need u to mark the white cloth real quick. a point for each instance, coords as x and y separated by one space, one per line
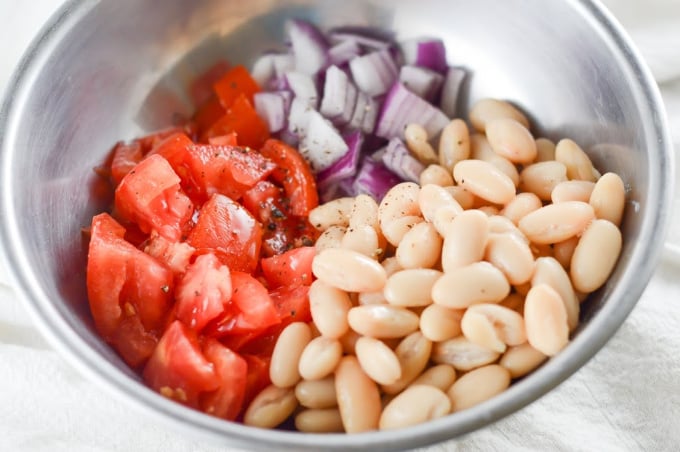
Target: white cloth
626 399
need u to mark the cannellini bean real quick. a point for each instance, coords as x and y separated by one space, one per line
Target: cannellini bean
522 205
481 150
550 272
486 110
595 255
348 270
416 140
439 323
443 219
412 287
382 321
608 198
420 247
490 211
332 213
465 240
330 238
400 201
364 212
484 180
319 421
563 251
417 404
480 282
454 144
545 320
378 360
365 298
512 140
432 198
572 190
478 386
329 307
319 358
349 341
270 407
556 222
511 255
358 397
441 376
464 197
508 325
391 266
395 230
363 239
317 393
462 354
542 178
521 360
499 224
436 175
579 166
413 353
545 150
283 369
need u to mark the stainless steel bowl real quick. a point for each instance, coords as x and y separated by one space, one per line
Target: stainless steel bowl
104 70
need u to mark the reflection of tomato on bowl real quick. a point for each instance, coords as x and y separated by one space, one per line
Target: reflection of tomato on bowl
162 247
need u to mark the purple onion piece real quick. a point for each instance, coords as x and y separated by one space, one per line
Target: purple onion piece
401 108
310 47
425 52
304 87
346 166
421 81
374 179
399 160
343 52
451 89
322 145
375 72
271 107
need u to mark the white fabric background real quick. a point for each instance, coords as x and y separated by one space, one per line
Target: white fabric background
626 399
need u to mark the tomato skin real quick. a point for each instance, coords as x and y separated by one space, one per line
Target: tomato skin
133 342
232 370
150 196
235 83
295 174
124 281
242 119
204 292
178 369
290 269
292 304
228 230
175 255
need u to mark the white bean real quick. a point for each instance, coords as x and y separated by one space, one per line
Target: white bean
317 393
358 397
417 404
493 326
413 353
572 190
462 354
542 177
270 407
486 110
416 138
420 247
439 323
478 386
521 360
330 238
595 255
283 369
441 376
329 307
579 166
436 175
556 222
550 272
512 140
319 358
378 360
511 255
319 421
522 205
465 240
454 144
480 282
412 287
332 213
545 150
485 181
608 198
382 321
545 319
349 270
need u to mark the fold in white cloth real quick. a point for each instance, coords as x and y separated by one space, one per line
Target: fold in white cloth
626 399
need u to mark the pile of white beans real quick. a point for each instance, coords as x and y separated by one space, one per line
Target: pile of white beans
437 298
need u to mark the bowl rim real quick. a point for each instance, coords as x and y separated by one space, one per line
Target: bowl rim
644 258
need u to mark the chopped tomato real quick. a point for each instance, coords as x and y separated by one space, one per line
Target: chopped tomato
258 376
133 342
202 87
295 174
125 157
252 309
242 119
151 197
235 83
292 304
224 140
123 280
204 292
148 142
232 370
290 269
175 255
225 228
207 115
178 369
282 230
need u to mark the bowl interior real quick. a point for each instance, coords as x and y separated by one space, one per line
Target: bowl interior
111 70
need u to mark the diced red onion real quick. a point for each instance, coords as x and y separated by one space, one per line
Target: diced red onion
310 47
346 166
298 117
335 92
263 69
304 87
273 108
401 108
450 89
365 41
421 81
374 179
375 72
343 51
399 160
322 145
425 52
